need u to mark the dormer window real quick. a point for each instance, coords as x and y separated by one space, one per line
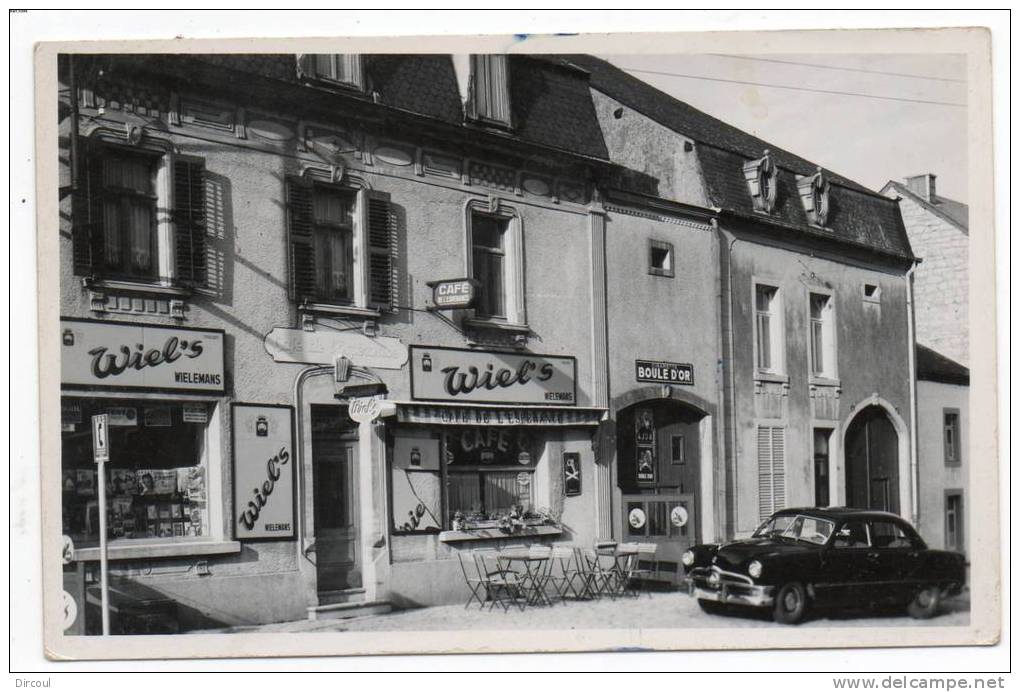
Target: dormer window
488 98
814 194
762 183
341 69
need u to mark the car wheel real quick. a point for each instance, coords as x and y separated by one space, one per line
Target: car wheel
925 603
791 604
710 607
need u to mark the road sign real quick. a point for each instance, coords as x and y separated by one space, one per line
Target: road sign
101 438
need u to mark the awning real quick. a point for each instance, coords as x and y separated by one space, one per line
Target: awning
427 413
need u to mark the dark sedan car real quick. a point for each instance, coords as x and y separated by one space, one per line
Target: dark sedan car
834 557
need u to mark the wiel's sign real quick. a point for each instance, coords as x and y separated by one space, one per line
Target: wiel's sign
128 355
486 377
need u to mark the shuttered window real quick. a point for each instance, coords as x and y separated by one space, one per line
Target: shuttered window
771 470
490 90
189 221
327 224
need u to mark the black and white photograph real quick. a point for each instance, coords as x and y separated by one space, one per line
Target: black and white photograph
516 344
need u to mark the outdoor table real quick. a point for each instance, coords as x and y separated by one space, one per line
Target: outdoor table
621 554
531 578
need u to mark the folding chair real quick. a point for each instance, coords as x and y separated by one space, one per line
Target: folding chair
540 574
633 571
475 584
501 586
602 576
578 577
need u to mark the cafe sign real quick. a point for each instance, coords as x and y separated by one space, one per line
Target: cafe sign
460 375
263 444
144 357
664 372
454 294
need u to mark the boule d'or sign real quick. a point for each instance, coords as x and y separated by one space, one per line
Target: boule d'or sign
453 294
664 372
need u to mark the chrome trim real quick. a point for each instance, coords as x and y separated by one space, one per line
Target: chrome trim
733 576
759 596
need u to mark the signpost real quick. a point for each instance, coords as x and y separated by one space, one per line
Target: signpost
101 454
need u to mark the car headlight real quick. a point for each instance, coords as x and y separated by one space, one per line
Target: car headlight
687 558
754 569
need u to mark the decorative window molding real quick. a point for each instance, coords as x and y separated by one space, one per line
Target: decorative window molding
340 69
513 311
661 258
762 181
769 331
814 195
488 98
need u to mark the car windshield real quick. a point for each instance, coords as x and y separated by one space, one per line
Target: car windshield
798 527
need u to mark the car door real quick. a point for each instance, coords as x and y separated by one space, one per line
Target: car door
846 572
895 557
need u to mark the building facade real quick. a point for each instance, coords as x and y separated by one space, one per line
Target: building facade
351 316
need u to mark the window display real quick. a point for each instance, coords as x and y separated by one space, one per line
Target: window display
156 479
489 473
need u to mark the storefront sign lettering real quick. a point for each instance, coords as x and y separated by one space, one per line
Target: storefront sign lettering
664 372
263 474
447 374
118 355
454 294
440 414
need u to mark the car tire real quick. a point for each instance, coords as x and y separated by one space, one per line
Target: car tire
791 604
926 603
710 607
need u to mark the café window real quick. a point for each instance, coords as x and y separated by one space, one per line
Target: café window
157 479
490 474
821 336
494 260
768 329
342 69
117 232
342 242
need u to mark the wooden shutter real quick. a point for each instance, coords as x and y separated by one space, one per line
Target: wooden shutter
87 214
189 221
382 243
771 470
301 230
305 66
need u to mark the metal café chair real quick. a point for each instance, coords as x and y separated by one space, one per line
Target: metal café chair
501 585
475 584
560 571
578 576
633 569
540 574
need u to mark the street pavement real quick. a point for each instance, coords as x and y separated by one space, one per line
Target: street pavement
648 611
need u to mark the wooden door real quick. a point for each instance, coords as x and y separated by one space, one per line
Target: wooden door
872 462
334 463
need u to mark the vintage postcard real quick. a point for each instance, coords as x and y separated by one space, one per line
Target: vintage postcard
507 344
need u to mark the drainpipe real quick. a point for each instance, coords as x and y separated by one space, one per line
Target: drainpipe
915 509
728 240
299 455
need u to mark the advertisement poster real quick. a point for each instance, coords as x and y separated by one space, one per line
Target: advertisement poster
263 471
644 453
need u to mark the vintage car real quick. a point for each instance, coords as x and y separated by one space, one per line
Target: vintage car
830 558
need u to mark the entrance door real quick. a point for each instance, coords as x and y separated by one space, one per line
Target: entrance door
334 460
872 462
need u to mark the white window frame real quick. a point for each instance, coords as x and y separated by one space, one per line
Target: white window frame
513 270
777 330
350 76
493 71
830 369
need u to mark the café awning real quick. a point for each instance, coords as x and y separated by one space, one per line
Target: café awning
429 413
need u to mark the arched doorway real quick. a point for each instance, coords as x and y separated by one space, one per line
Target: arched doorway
872 461
659 473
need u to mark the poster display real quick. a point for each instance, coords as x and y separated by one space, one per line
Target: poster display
644 452
263 444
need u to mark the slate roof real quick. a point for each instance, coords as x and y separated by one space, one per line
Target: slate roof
955 212
858 215
935 367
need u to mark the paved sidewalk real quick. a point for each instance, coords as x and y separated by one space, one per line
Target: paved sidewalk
659 610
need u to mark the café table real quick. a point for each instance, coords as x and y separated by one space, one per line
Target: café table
532 574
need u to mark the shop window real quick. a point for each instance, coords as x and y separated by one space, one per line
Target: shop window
489 90
768 329
117 232
951 436
342 243
954 521
490 475
157 479
341 69
821 335
494 241
660 261
771 470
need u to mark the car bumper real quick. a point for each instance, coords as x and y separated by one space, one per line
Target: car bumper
731 593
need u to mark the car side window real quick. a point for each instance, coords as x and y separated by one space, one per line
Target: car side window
889 535
852 534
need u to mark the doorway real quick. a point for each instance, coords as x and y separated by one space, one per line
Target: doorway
872 462
334 483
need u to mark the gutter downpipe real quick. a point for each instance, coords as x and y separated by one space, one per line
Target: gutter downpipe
915 509
730 379
299 454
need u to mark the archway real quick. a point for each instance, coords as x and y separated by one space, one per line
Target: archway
872 461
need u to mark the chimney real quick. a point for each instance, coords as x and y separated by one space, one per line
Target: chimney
923 186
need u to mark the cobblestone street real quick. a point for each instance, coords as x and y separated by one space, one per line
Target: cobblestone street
658 610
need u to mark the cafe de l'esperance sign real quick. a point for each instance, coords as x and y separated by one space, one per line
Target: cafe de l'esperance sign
486 377
143 357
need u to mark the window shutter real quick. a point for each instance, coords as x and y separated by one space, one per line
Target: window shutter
778 468
305 66
301 240
382 244
765 506
189 221
87 215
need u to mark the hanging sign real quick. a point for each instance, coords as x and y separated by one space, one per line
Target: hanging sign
263 443
571 474
450 374
454 294
664 372
128 355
